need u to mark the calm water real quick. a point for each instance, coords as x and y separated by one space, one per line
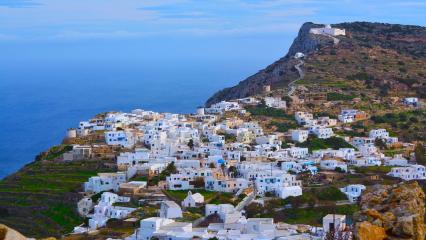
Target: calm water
38 102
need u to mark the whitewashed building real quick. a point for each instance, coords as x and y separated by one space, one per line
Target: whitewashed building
170 209
333 164
411 172
304 118
122 138
299 135
105 210
275 102
193 200
328 30
105 182
353 191
321 132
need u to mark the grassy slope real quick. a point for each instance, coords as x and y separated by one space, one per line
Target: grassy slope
40 199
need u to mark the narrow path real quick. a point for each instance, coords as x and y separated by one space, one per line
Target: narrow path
246 201
291 86
337 203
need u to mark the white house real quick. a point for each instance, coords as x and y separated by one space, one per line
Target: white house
122 138
226 212
105 210
222 107
161 227
84 206
299 135
133 158
411 172
347 115
303 118
231 185
298 152
193 200
278 185
321 132
333 164
353 191
179 182
170 209
286 192
275 102
105 182
299 55
382 134
397 160
365 161
378 133
411 101
333 222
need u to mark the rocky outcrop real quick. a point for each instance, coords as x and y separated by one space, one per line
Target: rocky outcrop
368 231
7 233
391 212
278 74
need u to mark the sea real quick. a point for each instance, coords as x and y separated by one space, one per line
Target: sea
40 100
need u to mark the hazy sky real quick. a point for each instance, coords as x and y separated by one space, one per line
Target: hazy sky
176 29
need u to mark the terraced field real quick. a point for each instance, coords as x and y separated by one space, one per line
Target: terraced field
40 199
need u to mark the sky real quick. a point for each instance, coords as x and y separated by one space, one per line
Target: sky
168 30
66 60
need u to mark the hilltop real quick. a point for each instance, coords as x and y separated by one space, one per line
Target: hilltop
384 59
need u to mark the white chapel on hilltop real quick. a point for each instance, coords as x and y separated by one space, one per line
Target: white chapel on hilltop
328 30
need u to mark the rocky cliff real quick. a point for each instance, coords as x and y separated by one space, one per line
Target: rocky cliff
391 212
279 73
388 57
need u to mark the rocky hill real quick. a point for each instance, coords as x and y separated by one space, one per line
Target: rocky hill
391 212
388 58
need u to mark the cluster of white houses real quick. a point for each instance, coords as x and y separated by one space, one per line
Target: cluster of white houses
220 154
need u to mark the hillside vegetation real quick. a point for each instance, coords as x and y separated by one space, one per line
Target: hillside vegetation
40 199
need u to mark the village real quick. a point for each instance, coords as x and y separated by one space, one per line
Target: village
214 174
288 163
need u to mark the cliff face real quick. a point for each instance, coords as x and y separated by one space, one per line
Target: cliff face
391 212
279 73
388 57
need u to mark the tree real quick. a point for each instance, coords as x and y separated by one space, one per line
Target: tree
198 182
420 153
253 210
233 170
380 143
223 167
191 144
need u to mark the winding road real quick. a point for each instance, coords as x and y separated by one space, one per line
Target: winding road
291 86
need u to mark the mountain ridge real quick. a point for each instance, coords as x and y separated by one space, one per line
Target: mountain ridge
404 39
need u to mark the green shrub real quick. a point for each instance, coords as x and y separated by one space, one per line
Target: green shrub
314 143
262 110
332 96
330 194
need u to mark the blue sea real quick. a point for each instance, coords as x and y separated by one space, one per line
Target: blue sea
40 100
48 87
